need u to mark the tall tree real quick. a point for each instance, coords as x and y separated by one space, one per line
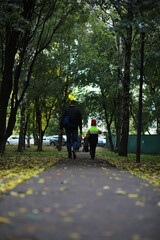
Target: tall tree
27 29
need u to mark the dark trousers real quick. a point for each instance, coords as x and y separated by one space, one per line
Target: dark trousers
72 137
92 150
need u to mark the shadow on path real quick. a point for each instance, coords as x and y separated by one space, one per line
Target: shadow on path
84 159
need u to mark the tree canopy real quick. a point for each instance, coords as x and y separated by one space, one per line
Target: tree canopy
51 50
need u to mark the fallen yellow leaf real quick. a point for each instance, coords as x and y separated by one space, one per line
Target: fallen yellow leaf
106 187
22 195
35 211
158 204
41 180
23 210
64 189
99 194
133 195
74 235
29 191
11 214
117 178
82 176
68 219
4 220
120 192
15 194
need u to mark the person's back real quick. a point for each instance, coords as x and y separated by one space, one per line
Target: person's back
74 120
74 115
92 137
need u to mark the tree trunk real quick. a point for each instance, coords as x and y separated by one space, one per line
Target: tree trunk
119 110
21 145
6 85
126 96
39 125
119 122
59 142
2 145
107 121
110 138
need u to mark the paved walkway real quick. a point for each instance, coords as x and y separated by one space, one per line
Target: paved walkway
81 199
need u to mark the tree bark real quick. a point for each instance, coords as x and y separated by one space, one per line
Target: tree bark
107 121
21 145
6 85
119 111
139 128
119 122
126 96
39 125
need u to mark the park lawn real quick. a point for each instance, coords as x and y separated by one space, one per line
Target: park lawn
148 168
16 167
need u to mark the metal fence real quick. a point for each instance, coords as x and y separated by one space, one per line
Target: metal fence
149 143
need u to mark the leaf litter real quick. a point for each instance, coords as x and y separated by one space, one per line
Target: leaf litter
17 167
148 168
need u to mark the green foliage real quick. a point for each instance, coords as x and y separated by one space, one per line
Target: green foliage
74 56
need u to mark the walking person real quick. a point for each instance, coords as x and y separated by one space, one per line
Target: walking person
71 120
92 137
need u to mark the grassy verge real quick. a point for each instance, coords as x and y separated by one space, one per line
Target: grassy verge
148 168
16 167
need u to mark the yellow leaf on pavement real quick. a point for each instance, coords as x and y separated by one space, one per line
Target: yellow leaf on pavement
64 189
11 214
82 176
41 180
22 195
133 195
4 220
23 210
35 211
158 204
120 192
15 194
74 235
136 237
68 219
99 194
29 191
106 187
117 178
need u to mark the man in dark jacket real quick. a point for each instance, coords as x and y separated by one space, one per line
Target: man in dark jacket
71 120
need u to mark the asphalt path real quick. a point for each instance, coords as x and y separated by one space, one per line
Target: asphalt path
81 199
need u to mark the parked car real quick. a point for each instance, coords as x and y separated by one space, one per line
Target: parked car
54 140
46 141
13 139
101 142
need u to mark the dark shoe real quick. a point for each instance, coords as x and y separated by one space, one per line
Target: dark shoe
69 157
92 156
74 154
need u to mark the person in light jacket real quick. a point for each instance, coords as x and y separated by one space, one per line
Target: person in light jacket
92 137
